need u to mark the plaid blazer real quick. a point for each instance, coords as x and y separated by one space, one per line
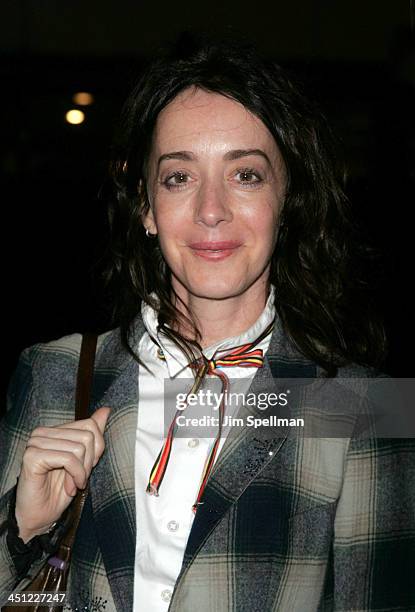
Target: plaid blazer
288 523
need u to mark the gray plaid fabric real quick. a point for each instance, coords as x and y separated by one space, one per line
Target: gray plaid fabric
288 523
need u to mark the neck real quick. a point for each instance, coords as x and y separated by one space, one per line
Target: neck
218 319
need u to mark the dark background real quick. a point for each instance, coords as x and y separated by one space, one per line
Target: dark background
356 58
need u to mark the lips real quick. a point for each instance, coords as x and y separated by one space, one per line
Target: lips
215 250
221 245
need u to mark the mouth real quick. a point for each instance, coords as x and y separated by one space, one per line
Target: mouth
215 251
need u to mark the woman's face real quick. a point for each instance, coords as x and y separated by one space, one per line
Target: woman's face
216 184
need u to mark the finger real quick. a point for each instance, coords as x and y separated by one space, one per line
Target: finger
80 435
92 426
100 416
37 463
80 443
69 485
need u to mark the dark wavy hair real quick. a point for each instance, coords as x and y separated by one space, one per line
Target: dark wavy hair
321 294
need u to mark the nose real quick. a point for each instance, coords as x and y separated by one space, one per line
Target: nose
212 205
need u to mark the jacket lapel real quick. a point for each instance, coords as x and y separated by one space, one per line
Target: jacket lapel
112 480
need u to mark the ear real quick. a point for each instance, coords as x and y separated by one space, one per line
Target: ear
149 221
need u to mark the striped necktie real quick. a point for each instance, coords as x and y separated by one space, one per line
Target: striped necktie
242 356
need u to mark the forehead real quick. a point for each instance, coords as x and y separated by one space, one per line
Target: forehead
196 119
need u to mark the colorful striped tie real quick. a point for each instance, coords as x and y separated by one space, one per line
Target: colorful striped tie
243 356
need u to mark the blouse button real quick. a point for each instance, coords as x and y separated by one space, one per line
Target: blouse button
172 525
193 443
166 595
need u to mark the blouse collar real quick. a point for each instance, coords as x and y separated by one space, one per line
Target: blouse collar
176 361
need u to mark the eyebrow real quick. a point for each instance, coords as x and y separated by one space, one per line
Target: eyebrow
229 156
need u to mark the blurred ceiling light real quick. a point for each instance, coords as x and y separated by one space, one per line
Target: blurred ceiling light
83 98
75 117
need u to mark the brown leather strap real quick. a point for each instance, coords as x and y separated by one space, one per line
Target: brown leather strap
82 399
85 375
78 504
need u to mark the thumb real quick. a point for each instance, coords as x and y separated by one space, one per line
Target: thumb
100 417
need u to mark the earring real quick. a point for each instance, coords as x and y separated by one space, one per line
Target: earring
150 235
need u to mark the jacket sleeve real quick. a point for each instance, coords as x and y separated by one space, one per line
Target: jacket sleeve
21 417
374 530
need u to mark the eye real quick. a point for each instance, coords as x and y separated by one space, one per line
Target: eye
176 180
249 177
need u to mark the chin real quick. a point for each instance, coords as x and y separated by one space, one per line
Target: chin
216 288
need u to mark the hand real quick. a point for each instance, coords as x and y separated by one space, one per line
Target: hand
56 463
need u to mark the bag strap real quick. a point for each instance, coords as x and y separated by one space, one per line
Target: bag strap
82 399
85 375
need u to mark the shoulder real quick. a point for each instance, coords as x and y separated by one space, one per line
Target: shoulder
350 370
47 371
46 358
354 370
54 364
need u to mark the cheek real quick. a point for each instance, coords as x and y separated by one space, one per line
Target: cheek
168 220
171 212
263 224
171 231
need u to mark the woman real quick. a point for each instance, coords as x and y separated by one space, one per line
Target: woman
230 228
